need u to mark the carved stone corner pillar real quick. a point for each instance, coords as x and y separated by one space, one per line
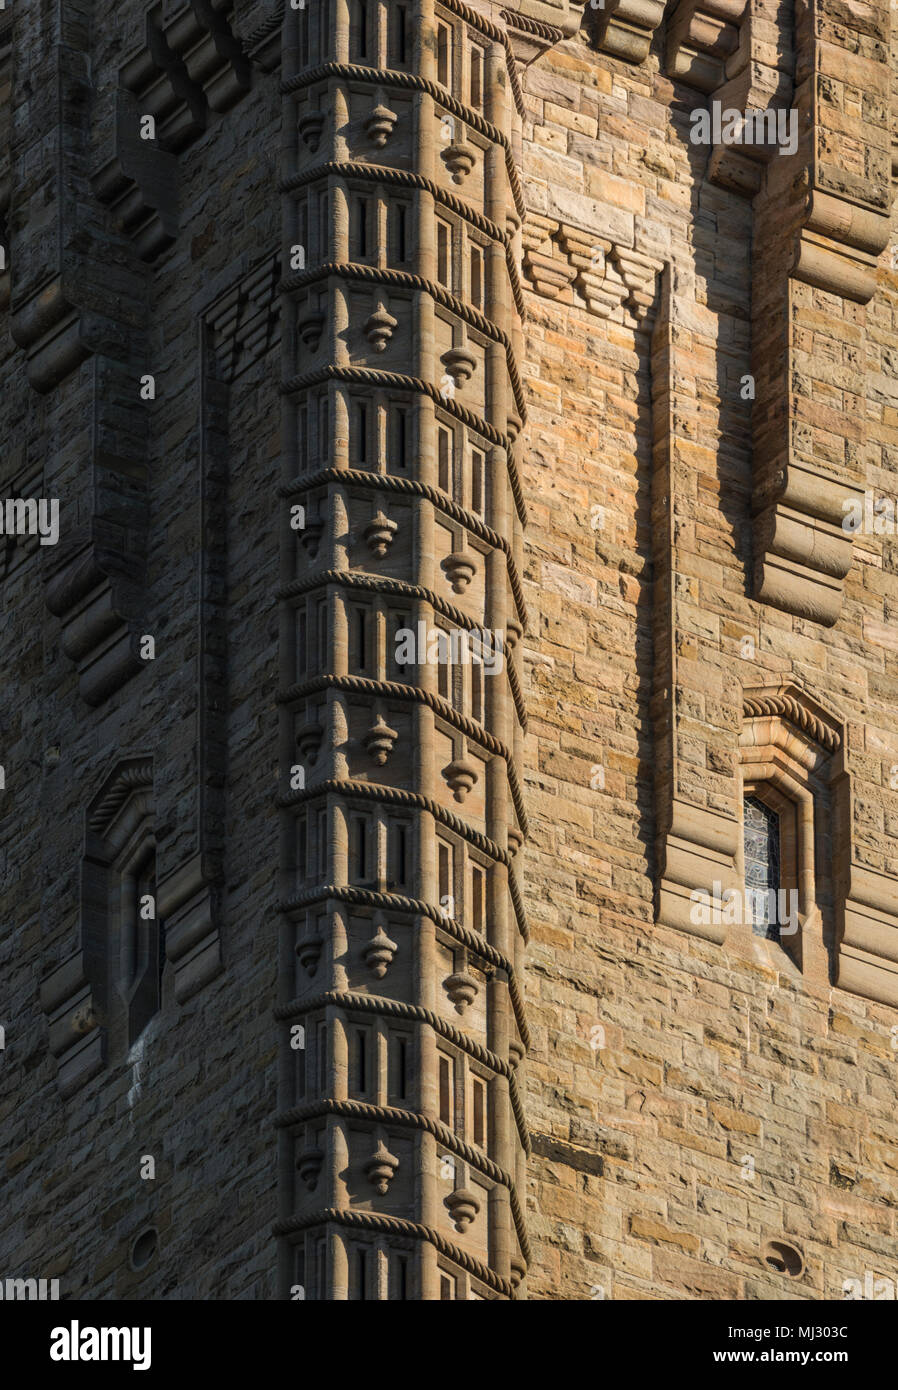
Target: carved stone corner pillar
402 921
188 902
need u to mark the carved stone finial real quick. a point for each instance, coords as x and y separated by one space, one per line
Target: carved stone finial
379 952
461 775
379 740
310 127
381 1168
379 534
308 952
310 324
308 741
380 327
463 1207
308 1165
461 989
459 364
459 570
379 125
459 160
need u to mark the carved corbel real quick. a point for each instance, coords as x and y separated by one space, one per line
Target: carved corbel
625 28
534 26
187 900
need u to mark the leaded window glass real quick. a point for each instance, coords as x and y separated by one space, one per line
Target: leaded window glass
762 868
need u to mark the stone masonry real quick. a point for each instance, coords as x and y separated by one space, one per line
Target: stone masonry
476 458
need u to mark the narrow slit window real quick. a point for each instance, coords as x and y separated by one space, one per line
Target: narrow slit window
478 1106
361 432
302 846
361 1061
444 676
304 231
404 668
360 645
400 35
444 460
302 640
445 1091
447 1287
399 1280
361 1274
399 213
399 856
321 637
401 1068
322 1056
360 854
444 55
762 868
400 439
322 844
444 859
359 30
477 277
477 56
303 38
444 254
323 422
303 441
323 29
361 228
478 897
477 690
323 227
478 473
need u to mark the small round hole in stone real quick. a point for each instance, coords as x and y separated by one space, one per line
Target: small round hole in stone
783 1258
144 1248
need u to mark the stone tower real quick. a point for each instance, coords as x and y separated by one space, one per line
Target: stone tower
450 756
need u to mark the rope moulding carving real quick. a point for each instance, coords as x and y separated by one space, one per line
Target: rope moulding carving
396 902
393 690
787 707
398 381
395 1225
373 791
377 583
403 279
412 1119
397 1008
381 173
389 77
393 483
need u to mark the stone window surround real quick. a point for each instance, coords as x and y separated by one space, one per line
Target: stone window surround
783 769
